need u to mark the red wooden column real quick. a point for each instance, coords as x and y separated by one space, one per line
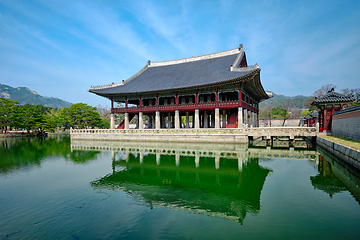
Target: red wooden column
240 98
325 117
126 104
112 106
216 99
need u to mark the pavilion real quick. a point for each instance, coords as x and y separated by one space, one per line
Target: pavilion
328 104
217 90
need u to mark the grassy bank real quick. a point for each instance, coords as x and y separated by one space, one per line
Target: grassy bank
343 141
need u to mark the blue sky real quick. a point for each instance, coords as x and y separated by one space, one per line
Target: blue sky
61 48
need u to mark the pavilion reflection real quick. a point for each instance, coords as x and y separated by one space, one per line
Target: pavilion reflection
336 176
204 184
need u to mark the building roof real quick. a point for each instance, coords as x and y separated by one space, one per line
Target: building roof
332 97
186 73
351 109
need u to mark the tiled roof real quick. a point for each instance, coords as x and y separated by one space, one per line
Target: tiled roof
332 97
183 73
351 109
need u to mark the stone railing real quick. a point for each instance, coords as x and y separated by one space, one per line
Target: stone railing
208 135
282 132
159 131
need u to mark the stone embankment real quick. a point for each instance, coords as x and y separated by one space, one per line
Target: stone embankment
349 155
22 134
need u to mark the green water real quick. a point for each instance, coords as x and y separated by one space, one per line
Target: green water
53 188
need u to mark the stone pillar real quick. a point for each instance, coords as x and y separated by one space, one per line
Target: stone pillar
240 117
169 120
224 119
205 120
197 119
253 119
177 119
256 120
112 121
187 120
212 123
126 126
163 121
141 122
217 118
157 120
149 121
245 116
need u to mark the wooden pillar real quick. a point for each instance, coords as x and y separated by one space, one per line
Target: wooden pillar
240 97
325 121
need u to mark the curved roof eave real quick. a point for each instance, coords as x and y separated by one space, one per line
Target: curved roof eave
253 73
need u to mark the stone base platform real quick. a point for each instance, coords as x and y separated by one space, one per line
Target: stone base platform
162 135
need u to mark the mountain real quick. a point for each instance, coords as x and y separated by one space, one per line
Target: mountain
284 102
26 96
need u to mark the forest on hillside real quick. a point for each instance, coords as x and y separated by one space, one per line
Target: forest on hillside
26 96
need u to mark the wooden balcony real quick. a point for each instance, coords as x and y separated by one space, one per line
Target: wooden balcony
202 106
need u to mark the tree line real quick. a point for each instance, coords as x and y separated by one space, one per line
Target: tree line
40 118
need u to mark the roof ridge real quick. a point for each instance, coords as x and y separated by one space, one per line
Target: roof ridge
197 58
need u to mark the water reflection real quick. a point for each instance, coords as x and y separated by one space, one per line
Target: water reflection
326 179
20 153
222 180
336 175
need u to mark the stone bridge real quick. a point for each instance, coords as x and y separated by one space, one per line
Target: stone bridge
290 132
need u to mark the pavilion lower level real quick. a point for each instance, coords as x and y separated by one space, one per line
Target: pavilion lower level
204 110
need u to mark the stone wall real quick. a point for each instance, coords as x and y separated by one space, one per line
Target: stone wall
349 155
346 123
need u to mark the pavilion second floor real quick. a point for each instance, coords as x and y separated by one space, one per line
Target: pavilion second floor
186 102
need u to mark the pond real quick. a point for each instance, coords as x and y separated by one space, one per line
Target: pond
54 188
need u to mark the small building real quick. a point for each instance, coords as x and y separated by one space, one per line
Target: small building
328 104
217 90
310 120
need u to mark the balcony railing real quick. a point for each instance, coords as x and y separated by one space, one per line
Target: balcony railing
186 106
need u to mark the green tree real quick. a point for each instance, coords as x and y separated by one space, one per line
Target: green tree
8 113
29 117
80 115
304 113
